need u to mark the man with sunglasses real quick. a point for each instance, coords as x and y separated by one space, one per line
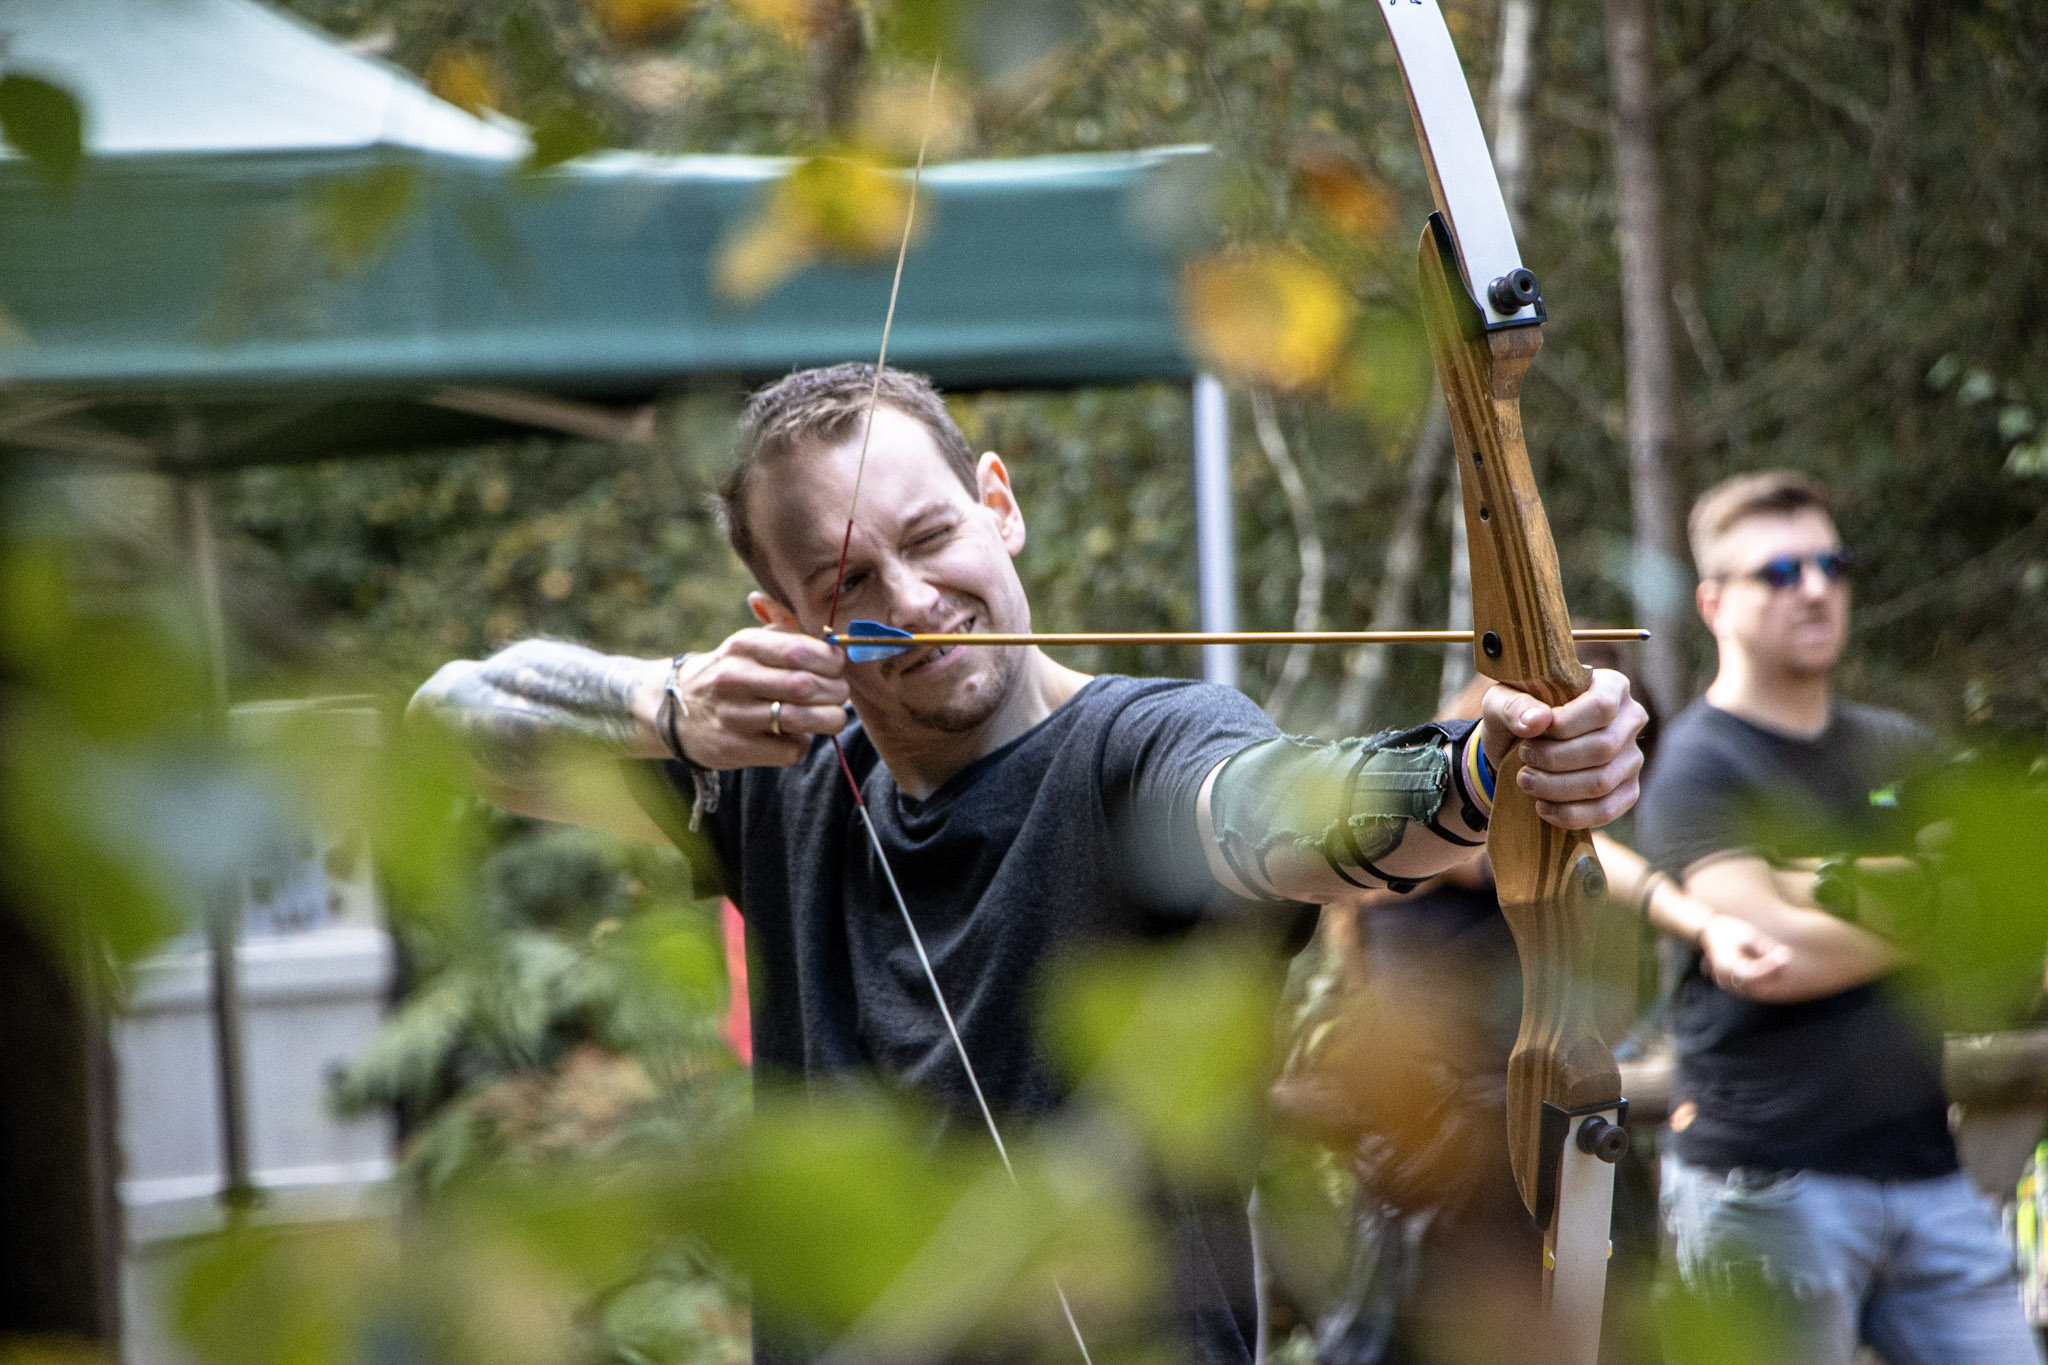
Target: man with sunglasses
1810 1161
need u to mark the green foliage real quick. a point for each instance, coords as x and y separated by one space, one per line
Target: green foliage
1176 1042
355 215
43 122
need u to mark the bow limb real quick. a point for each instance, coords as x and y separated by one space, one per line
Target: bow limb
1484 314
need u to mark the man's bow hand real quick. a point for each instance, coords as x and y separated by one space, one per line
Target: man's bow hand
1579 759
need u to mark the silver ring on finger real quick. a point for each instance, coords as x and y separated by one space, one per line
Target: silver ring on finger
775 718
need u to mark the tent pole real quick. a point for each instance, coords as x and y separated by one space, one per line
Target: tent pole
224 915
1215 527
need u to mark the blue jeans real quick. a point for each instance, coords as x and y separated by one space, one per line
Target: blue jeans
1917 1269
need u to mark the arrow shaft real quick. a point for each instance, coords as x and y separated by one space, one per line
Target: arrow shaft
1616 634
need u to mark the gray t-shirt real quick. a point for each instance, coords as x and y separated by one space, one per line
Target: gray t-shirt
1079 832
1849 1083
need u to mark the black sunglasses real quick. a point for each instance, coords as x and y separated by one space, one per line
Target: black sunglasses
1786 570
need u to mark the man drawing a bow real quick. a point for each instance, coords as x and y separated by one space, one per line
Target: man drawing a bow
1020 808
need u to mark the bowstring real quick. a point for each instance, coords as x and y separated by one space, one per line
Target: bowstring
860 804
860 466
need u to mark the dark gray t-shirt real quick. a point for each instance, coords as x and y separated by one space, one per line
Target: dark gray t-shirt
1081 831
1849 1083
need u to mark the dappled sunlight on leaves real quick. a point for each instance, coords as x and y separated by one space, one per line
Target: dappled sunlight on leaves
1267 315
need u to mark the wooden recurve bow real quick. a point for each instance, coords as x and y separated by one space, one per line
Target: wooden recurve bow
1484 316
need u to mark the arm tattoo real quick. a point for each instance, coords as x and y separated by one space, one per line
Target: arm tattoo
509 709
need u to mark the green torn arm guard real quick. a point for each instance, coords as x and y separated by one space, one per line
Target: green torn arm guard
1352 801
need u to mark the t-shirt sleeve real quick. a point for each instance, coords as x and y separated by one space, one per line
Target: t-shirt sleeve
1692 809
1155 754
667 792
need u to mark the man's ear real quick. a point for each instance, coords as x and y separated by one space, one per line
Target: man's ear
992 479
1707 596
770 612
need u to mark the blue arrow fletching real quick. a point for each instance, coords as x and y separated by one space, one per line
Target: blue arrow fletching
867 653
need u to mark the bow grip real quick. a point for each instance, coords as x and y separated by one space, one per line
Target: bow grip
1549 880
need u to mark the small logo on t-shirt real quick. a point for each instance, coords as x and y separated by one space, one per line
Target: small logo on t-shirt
1683 1115
1886 797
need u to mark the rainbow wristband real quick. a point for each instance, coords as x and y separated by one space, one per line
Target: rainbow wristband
1478 775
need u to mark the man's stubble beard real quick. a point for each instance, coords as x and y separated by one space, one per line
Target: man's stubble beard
965 712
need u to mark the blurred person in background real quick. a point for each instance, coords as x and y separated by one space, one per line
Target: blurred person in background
1810 1162
1399 1064
1026 809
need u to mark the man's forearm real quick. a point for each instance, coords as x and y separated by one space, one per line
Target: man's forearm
509 710
1299 820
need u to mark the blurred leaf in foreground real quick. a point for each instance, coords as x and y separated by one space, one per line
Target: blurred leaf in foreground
857 1227
1980 925
1741 1321
354 216
635 23
563 133
1335 181
463 77
43 122
1266 315
1175 1042
845 206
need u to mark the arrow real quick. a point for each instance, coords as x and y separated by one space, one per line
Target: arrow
868 641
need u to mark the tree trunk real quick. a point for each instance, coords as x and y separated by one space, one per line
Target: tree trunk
838 50
1366 668
1652 389
1514 83
1308 596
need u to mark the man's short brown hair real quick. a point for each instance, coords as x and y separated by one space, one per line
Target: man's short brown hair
813 409
1767 492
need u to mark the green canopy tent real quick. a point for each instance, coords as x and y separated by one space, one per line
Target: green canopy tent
247 289
306 254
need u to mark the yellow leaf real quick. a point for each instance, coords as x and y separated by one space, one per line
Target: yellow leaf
1268 316
765 251
639 21
851 206
463 77
847 207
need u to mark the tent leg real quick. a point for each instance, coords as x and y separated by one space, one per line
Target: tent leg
1215 527
224 917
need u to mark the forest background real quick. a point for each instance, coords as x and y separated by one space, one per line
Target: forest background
1813 236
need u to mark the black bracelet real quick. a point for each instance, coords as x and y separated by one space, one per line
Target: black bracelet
703 782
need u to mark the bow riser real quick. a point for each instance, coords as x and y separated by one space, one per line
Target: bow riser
1549 881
